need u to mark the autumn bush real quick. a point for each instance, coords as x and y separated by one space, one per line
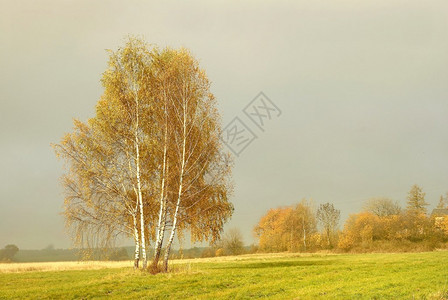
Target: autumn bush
405 232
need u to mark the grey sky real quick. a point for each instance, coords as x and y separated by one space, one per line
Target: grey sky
362 86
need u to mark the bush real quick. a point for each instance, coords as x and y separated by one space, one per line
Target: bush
7 254
219 252
208 252
232 242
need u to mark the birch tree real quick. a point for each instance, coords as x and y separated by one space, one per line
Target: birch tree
127 83
162 84
194 186
328 217
109 158
150 163
442 203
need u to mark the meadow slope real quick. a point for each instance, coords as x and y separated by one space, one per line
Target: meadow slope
276 276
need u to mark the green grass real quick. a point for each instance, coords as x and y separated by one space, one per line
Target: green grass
360 276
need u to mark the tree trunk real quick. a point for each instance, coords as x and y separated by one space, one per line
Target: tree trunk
304 234
291 239
162 210
179 194
139 186
159 239
160 236
173 229
140 202
137 246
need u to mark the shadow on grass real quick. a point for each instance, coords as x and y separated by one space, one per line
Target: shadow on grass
278 264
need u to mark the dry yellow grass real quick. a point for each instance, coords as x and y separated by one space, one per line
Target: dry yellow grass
257 256
62 266
95 265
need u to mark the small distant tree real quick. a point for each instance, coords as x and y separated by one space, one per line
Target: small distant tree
232 242
271 230
328 217
50 247
442 202
360 229
7 254
416 200
301 226
416 219
382 207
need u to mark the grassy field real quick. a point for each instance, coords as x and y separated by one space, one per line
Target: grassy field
277 276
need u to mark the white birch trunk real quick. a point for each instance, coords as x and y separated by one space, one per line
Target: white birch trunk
162 209
140 202
162 214
179 194
137 244
139 186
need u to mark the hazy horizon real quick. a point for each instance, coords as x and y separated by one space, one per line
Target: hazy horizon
361 87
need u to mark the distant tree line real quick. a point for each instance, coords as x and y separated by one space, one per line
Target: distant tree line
382 225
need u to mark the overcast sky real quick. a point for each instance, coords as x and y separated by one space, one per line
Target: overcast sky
362 86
